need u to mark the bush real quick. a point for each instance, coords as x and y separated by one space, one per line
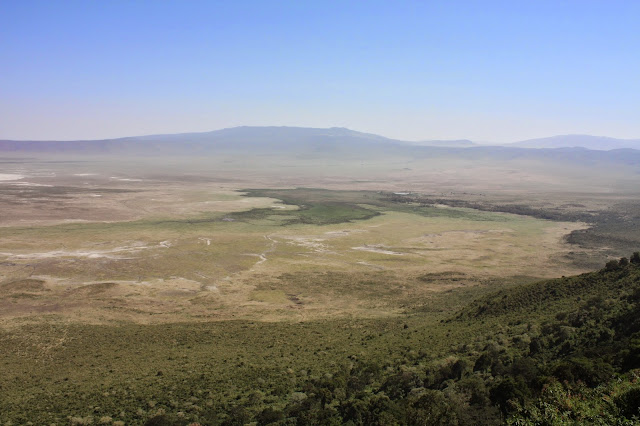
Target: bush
269 416
612 265
400 384
589 371
629 403
431 408
160 420
509 391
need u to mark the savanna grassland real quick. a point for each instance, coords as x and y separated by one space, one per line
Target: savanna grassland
325 293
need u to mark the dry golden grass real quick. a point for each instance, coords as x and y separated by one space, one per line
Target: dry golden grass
184 259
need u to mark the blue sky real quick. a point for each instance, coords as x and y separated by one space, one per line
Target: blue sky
483 70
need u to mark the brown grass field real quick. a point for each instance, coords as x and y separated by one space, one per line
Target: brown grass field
83 243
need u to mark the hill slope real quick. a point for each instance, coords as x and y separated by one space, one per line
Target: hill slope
562 351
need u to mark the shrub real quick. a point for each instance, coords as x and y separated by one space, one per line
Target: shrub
269 416
509 391
590 371
612 265
629 403
431 408
160 420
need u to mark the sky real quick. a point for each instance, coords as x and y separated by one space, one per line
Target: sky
496 71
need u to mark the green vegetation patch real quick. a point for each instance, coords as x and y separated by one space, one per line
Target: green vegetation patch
300 196
567 290
315 206
453 213
324 207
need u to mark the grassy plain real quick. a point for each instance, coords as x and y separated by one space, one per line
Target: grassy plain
304 257
126 291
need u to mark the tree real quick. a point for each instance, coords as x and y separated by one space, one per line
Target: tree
430 408
612 265
483 363
269 415
635 258
508 392
629 403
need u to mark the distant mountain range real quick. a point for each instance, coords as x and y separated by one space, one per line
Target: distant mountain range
311 141
250 139
461 143
579 141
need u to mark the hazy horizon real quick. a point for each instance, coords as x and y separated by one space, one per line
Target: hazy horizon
416 142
